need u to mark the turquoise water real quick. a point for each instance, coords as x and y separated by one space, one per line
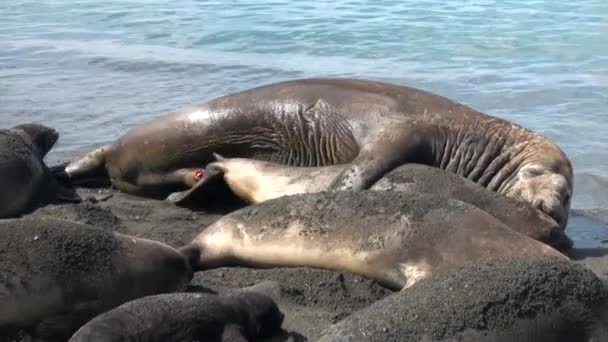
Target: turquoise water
93 69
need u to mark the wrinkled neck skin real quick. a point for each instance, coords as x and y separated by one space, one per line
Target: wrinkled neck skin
509 160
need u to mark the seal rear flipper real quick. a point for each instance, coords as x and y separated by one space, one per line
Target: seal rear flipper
91 165
233 333
93 181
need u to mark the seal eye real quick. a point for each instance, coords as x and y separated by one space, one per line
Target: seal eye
531 172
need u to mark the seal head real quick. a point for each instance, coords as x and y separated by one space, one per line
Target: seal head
547 187
43 138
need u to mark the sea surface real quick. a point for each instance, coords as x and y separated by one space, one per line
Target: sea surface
95 68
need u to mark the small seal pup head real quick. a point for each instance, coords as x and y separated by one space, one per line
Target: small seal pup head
265 318
177 317
26 181
41 137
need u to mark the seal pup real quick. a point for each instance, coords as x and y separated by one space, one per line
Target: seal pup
503 299
178 317
25 180
375 126
55 275
257 181
391 237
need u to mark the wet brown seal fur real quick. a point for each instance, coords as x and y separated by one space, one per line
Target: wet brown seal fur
55 275
527 299
375 126
391 237
258 181
25 180
179 317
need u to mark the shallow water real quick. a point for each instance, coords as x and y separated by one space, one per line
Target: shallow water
93 69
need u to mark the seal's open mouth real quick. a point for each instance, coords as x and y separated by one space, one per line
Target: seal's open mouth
202 177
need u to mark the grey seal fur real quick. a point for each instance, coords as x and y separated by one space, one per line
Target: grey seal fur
527 299
55 274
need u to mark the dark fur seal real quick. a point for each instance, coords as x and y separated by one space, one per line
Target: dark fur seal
317 122
55 275
524 299
391 237
25 181
258 181
180 317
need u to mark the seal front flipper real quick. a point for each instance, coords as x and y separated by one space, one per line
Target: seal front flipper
384 152
233 333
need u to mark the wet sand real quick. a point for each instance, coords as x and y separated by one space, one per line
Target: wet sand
311 299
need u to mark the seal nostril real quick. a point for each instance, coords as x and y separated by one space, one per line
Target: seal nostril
566 199
539 204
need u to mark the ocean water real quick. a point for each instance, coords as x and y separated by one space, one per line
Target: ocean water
95 68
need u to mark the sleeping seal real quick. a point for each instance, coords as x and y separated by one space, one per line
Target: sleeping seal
524 299
391 237
179 317
375 126
25 180
258 181
55 275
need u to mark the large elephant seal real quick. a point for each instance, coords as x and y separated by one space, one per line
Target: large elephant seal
391 237
55 275
179 317
257 181
25 180
317 122
500 300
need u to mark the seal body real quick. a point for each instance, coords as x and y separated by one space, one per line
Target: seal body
375 126
391 237
179 317
55 275
503 299
25 180
258 181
